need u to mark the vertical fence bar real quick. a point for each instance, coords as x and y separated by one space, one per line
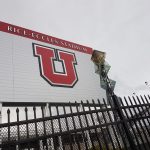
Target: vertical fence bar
124 124
146 109
52 126
26 115
139 121
47 114
143 120
74 125
18 129
148 98
131 125
34 111
135 121
138 114
114 131
36 130
0 122
105 120
27 127
60 128
99 121
87 123
80 122
8 117
95 129
67 124
44 126
116 117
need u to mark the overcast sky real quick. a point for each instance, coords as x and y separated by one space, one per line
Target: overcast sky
121 28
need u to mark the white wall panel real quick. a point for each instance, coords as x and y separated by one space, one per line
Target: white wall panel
20 78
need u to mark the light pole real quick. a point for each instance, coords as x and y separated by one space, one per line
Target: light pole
99 58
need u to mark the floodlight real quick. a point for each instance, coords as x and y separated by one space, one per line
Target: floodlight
98 57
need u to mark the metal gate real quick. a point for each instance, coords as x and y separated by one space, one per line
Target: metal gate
79 126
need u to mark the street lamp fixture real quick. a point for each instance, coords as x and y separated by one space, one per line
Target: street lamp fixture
98 57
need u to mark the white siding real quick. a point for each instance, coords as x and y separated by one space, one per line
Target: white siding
20 78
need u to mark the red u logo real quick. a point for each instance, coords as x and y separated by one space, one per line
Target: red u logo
47 57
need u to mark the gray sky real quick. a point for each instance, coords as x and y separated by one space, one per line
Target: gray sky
121 28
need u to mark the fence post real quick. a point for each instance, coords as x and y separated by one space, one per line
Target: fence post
47 113
0 122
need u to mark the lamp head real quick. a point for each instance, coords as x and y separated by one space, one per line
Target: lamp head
98 57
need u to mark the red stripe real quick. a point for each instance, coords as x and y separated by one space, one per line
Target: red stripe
12 29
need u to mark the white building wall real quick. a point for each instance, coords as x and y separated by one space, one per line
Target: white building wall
20 78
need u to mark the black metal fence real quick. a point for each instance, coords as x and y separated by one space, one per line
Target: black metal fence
78 126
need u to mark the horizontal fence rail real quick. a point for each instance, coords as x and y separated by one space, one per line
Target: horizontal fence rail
78 126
